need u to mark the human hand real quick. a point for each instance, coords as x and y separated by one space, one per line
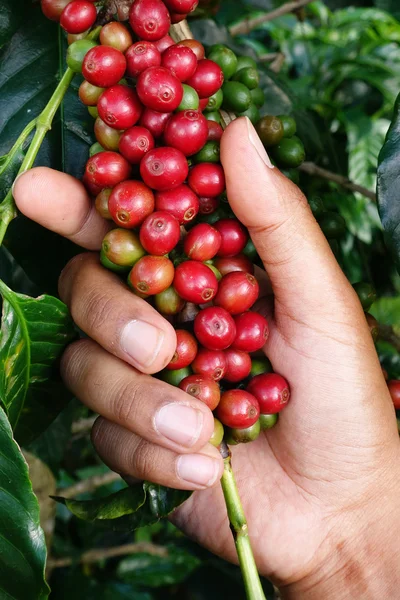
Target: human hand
320 490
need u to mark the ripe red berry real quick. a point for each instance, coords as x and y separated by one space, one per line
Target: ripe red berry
195 46
211 363
160 233
251 332
107 137
180 60
151 275
272 392
135 143
159 89
394 389
203 388
214 328
202 242
186 350
91 187
181 6
168 302
78 16
237 292
154 121
187 131
164 43
228 264
103 66
207 79
234 237
180 202
215 131
203 103
238 365
119 107
106 169
130 203
208 205
164 168
149 19
52 9
195 282
115 34
176 17
207 179
140 57
238 408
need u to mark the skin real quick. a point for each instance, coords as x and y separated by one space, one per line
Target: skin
321 489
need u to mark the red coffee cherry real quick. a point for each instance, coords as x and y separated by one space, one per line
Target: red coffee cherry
214 328
203 388
130 203
237 292
135 143
208 205
154 121
164 43
180 202
151 275
106 136
240 262
207 79
202 242
176 18
115 34
159 89
180 60
187 131
272 392
234 237
119 107
394 389
195 282
164 168
251 332
106 169
140 57
159 234
238 408
78 16
89 94
52 9
103 66
181 6
215 131
195 47
211 363
238 365
207 179
186 350
149 19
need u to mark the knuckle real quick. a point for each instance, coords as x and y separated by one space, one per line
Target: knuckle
127 402
143 460
74 358
93 310
98 431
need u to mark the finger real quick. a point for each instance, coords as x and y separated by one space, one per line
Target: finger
60 203
150 408
130 455
108 312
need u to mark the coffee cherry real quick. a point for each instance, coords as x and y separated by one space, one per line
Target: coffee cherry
234 237
151 275
268 421
195 282
121 270
203 388
236 96
251 113
154 121
207 180
140 57
181 6
207 79
168 302
245 61
289 125
225 58
106 136
75 37
209 153
248 76
214 101
149 19
190 99
180 202
93 112
211 363
164 168
106 169
272 392
102 203
203 105
187 131
214 270
119 107
104 66
289 152
215 131
195 47
230 264
130 203
52 9
202 242
160 232
366 294
78 16
260 366
214 328
77 52
237 292
238 365
332 224
174 377
89 94
159 89
176 17
257 97
135 143
208 205
122 247
181 61
244 435
218 433
186 350
270 130
95 149
164 43
238 409
115 34
394 389
251 332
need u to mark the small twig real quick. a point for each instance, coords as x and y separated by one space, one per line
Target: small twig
249 24
312 169
387 334
278 63
88 485
82 425
99 554
268 57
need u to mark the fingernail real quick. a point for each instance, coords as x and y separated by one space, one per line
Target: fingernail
142 342
15 181
197 469
256 142
179 423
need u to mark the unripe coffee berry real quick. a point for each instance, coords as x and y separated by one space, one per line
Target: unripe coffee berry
159 234
195 282
106 136
104 66
151 275
243 435
122 247
218 433
211 363
164 168
78 16
106 169
52 9
214 328
159 89
140 57
180 202
149 19
168 302
186 350
187 131
135 143
237 292
115 34
272 392
203 388
102 203
89 94
238 409
268 421
251 332
130 203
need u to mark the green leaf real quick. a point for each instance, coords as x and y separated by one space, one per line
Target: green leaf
22 544
34 333
73 583
11 15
